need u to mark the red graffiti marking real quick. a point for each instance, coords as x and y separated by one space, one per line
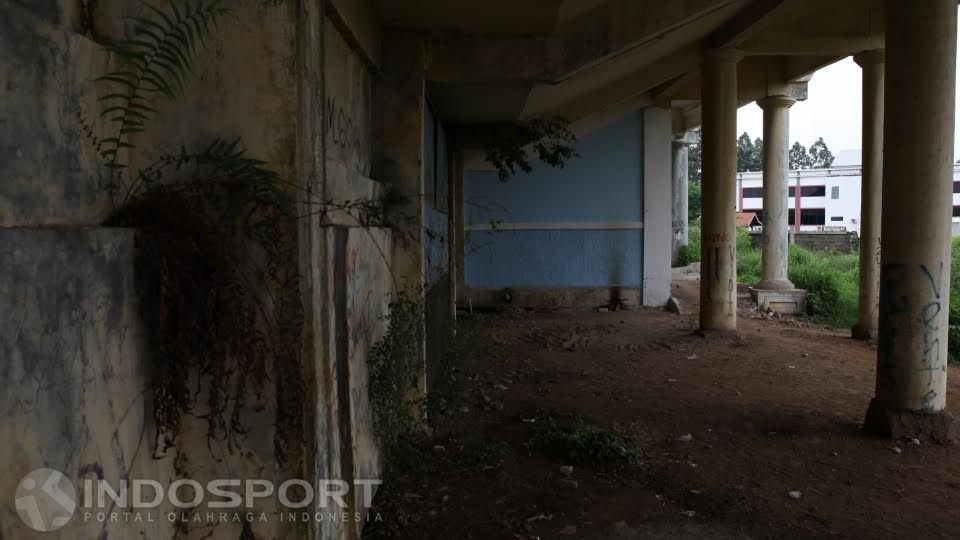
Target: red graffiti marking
716 237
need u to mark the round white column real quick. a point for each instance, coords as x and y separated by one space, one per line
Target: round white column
776 168
870 194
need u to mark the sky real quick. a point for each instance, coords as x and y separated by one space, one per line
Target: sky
832 111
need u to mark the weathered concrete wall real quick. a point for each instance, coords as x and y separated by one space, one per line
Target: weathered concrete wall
348 125
362 278
244 86
821 241
47 171
74 370
257 80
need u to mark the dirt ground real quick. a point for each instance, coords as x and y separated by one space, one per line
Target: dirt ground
772 409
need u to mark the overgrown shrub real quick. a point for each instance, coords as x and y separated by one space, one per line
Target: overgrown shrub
690 253
749 258
393 363
831 279
580 443
954 337
463 337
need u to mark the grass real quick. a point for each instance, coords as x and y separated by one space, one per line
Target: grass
580 443
831 279
690 253
953 341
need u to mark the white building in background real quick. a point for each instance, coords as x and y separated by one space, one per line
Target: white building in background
829 198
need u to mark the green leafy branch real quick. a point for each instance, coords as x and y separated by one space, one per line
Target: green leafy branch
550 140
156 61
220 158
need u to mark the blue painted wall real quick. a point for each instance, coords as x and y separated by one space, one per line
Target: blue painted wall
603 185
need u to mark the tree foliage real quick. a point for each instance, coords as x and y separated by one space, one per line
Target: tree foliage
695 159
817 157
749 154
798 157
694 202
549 138
820 155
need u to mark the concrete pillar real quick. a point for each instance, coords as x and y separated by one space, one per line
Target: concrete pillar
871 182
681 179
921 42
400 98
776 169
657 187
718 270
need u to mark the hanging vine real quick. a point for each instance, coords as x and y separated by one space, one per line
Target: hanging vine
216 249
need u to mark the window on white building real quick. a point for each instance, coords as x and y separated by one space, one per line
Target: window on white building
835 193
836 218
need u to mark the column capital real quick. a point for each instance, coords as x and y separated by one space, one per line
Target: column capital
723 55
865 58
776 102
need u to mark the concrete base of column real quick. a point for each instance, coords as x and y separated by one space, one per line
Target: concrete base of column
938 427
776 285
863 332
785 302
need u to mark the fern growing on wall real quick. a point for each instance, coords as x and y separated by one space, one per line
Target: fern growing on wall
157 60
216 256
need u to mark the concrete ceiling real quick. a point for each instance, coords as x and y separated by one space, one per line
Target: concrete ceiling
502 61
510 17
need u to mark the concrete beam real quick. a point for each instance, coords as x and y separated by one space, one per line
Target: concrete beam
750 20
357 21
632 85
757 78
458 58
802 68
800 44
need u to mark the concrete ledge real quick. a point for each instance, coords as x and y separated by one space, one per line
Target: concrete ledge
939 427
548 297
793 302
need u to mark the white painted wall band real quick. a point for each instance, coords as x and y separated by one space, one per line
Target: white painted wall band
557 225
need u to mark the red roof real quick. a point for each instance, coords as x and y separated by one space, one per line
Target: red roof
748 219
